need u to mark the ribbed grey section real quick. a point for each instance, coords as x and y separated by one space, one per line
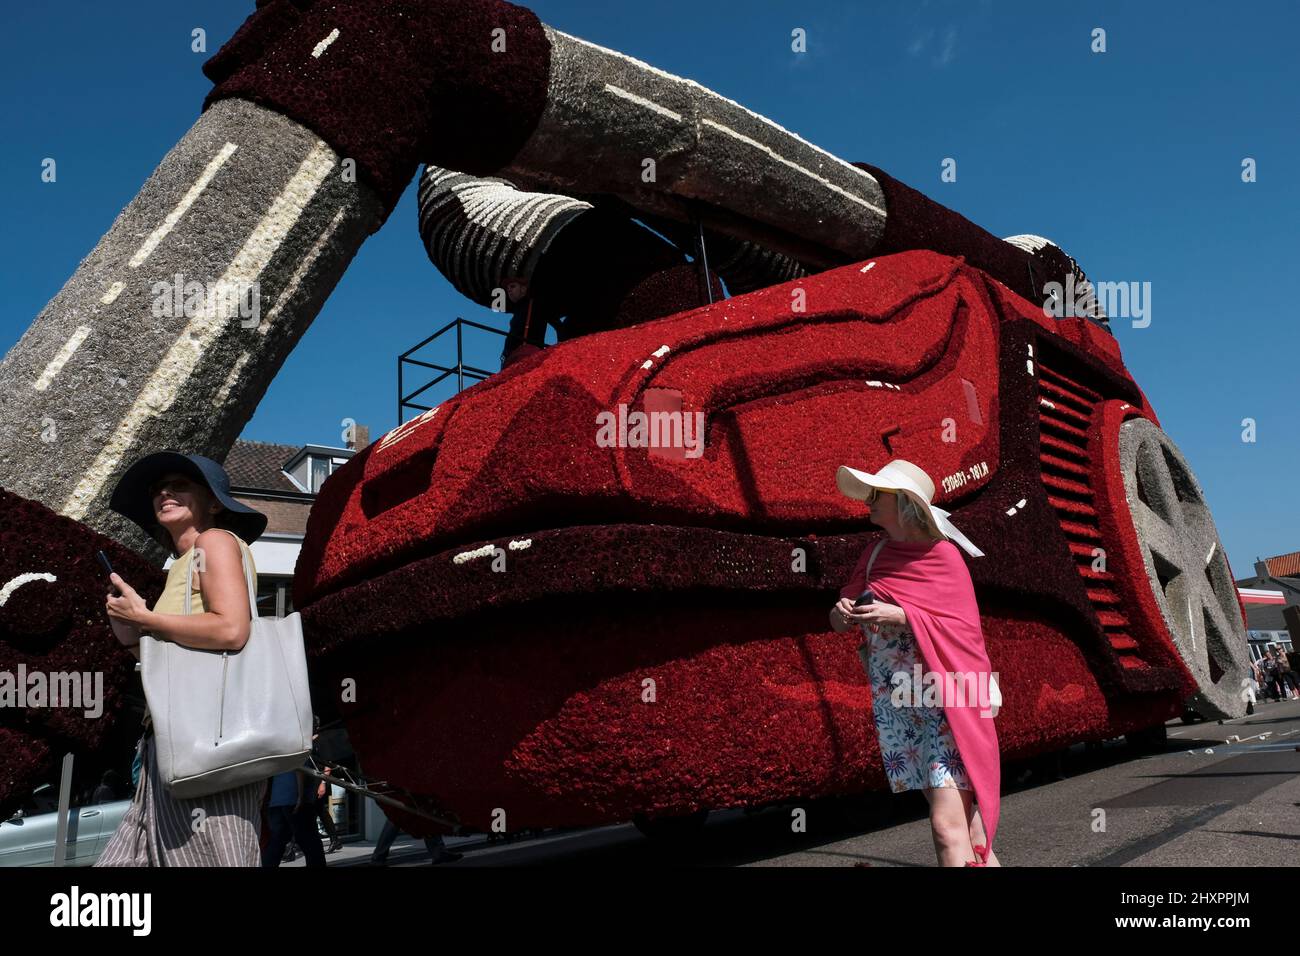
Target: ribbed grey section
481 232
747 266
1029 242
1091 305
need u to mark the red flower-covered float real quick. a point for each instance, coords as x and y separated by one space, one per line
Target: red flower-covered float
530 613
537 624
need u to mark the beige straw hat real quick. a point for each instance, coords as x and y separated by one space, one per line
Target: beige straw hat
908 479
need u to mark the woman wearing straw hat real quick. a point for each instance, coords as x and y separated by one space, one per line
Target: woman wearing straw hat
184 503
924 612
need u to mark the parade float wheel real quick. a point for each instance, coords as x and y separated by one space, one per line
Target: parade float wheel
1186 567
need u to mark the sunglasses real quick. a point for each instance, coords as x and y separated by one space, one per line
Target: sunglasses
871 497
175 484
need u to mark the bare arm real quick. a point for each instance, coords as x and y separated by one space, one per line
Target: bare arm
128 635
226 623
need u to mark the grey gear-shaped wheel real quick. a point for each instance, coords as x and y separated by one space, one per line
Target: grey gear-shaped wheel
1186 567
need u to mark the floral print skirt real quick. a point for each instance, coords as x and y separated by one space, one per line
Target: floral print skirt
916 744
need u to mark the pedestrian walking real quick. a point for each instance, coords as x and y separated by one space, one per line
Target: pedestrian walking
438 851
184 503
291 816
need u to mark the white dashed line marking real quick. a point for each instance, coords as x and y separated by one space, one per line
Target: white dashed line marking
482 552
840 190
173 217
224 392
642 101
65 353
296 279
176 367
490 549
843 164
325 43
657 353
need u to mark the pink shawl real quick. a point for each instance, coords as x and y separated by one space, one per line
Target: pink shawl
930 582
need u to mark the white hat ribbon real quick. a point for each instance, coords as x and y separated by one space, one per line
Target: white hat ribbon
899 474
950 529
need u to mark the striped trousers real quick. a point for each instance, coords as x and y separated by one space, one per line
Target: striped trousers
219 829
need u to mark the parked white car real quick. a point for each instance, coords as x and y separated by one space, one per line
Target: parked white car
27 838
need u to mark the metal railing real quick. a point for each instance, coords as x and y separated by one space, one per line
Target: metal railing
460 369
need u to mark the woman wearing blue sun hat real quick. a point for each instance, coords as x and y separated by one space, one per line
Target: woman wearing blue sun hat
184 503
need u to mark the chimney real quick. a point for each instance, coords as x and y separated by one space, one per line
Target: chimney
360 437
1261 571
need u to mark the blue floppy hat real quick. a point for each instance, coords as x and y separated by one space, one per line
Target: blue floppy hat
131 497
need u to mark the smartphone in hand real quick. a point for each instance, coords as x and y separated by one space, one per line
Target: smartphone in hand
866 597
108 566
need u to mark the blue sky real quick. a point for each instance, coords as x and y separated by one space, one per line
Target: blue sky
1130 160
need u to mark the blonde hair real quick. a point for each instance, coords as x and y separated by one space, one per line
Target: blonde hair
910 513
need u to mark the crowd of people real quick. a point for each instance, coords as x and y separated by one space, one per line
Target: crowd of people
1273 675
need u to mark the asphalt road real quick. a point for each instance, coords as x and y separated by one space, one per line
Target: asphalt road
1218 794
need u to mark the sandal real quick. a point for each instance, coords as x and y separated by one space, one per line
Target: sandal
981 851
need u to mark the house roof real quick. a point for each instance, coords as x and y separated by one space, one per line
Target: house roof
1262 616
1290 587
256 465
1284 565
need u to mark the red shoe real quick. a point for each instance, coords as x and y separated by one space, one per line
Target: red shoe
615 557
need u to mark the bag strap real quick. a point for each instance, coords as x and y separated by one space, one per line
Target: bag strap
248 576
866 579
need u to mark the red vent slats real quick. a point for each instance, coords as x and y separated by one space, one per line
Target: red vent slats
1065 409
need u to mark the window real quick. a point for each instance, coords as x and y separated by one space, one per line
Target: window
320 467
274 596
320 470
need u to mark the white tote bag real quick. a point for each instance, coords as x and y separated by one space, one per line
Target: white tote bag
222 719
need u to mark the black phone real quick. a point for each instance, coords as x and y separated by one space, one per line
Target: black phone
108 566
866 597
